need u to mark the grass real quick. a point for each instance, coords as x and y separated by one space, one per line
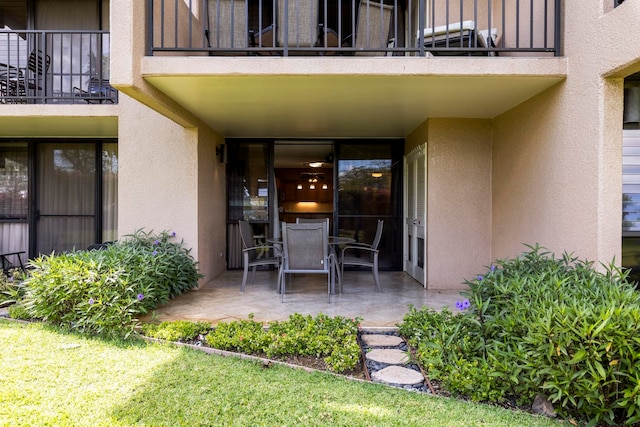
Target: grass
53 378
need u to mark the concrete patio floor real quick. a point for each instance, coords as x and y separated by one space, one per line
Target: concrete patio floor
221 300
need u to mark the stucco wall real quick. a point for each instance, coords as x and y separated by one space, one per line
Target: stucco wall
169 179
557 157
458 198
212 211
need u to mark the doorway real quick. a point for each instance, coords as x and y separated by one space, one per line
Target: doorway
353 183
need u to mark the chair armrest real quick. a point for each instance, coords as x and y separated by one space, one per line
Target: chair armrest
359 248
260 247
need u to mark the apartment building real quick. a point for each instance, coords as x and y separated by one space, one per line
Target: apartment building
472 127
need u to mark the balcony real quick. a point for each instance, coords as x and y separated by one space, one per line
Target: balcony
55 67
353 28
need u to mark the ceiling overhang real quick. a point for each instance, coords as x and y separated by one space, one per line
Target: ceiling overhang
59 121
345 97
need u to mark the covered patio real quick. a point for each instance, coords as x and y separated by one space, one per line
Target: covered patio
220 300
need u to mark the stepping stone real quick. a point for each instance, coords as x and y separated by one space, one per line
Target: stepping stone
388 356
398 375
377 340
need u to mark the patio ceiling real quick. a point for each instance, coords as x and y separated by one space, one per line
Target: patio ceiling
337 99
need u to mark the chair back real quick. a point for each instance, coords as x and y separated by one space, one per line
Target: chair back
372 30
313 221
38 62
301 20
228 24
306 247
376 239
246 235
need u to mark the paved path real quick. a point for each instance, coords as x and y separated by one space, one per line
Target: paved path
388 360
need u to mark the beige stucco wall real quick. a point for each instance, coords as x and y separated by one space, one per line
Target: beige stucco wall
458 198
169 179
557 157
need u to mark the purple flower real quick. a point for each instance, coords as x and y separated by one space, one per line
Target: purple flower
154 253
11 279
463 305
493 268
140 297
480 278
173 234
91 301
157 242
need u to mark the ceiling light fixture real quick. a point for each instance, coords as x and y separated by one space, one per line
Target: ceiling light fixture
377 174
315 164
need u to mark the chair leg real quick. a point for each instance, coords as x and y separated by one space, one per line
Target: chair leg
282 278
376 278
253 274
244 277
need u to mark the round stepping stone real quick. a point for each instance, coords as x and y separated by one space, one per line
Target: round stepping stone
377 340
398 375
388 356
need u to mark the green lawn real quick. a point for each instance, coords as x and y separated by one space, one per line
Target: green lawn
52 378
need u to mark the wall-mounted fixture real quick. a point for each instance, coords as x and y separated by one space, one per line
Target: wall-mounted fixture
632 102
221 153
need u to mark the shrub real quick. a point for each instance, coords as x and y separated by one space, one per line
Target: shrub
178 330
334 339
542 325
11 287
448 347
105 291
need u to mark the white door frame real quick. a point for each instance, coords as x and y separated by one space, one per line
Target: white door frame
415 214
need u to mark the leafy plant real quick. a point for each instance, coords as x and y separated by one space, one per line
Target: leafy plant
11 287
105 291
537 324
332 338
178 330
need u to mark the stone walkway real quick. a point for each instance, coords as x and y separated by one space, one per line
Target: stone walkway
388 361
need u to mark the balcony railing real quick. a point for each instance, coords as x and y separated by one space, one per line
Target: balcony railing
55 67
353 27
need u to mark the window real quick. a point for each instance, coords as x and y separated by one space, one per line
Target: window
57 196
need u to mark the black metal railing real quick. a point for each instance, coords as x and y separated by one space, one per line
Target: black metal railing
353 27
55 67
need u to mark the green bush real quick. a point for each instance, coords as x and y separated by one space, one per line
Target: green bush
334 339
11 287
178 330
105 291
546 325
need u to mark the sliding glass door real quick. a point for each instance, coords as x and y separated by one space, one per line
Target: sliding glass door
57 196
369 188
